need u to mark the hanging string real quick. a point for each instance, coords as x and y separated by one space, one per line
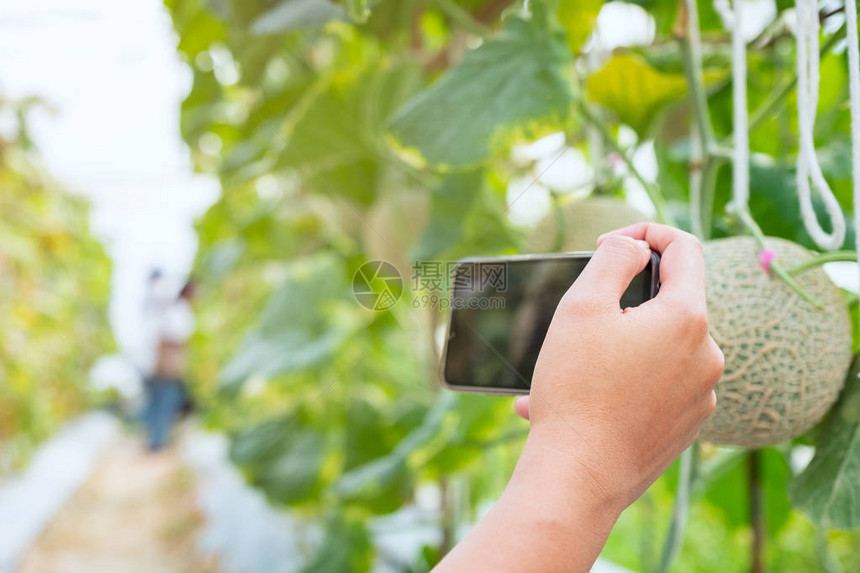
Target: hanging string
808 78
724 10
854 90
732 16
741 153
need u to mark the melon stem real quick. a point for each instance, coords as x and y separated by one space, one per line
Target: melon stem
743 214
823 259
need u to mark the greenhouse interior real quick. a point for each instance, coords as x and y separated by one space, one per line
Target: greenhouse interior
395 286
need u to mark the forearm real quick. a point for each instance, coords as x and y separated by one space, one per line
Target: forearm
550 518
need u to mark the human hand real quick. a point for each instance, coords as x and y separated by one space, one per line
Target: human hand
618 394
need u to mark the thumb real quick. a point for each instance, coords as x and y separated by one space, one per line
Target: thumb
521 407
608 274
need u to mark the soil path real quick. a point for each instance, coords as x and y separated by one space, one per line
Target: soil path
135 514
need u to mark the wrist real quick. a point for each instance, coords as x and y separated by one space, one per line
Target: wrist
564 488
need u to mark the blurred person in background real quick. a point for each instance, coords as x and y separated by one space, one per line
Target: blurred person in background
166 387
156 299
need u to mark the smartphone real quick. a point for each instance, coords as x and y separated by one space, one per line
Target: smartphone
500 310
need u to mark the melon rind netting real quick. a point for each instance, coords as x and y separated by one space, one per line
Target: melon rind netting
786 360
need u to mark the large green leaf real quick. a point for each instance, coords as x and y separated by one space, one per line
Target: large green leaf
828 490
578 17
372 478
283 456
294 332
333 136
634 91
297 15
512 87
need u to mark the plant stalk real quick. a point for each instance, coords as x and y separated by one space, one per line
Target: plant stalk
702 159
756 512
653 191
828 561
447 517
675 534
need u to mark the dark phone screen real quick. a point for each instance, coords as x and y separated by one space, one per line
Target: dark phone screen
500 314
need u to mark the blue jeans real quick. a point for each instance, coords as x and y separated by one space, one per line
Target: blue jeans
164 403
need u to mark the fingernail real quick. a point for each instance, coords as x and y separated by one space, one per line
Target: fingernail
644 245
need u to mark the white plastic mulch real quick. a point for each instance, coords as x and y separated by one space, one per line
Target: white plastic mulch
240 527
29 501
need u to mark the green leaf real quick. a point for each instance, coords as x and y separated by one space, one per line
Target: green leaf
346 547
199 33
450 206
293 333
478 421
284 457
372 478
297 15
334 134
223 258
199 108
293 475
828 490
635 91
511 88
773 201
729 492
578 17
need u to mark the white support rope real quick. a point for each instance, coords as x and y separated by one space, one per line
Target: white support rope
697 151
808 77
854 89
741 153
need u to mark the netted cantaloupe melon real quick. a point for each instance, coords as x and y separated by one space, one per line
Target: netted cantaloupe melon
584 221
394 225
786 360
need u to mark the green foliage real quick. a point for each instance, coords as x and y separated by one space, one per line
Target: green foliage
347 547
511 89
284 457
327 112
578 18
628 74
452 202
295 333
54 283
827 490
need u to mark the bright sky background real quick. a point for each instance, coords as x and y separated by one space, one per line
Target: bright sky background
111 72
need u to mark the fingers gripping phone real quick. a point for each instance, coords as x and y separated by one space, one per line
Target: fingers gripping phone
501 309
